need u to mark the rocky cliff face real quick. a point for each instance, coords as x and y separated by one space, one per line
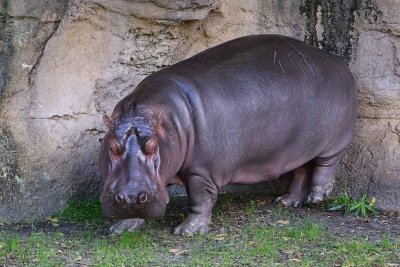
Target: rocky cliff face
366 34
65 63
373 161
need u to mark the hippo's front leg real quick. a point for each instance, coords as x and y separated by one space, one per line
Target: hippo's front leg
202 195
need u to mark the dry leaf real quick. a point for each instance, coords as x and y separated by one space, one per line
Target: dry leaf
262 201
53 220
288 252
220 237
252 244
177 251
284 222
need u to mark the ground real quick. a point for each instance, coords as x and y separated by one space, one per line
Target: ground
246 229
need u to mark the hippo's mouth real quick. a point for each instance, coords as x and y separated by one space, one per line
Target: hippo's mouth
150 210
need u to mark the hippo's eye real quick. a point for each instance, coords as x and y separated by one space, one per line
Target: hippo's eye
151 147
114 150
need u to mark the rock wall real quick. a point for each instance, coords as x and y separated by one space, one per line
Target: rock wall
372 164
65 63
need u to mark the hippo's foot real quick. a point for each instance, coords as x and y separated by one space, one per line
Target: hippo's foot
128 225
290 200
193 225
318 193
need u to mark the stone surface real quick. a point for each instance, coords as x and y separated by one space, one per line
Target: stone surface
372 162
2 6
45 10
378 83
160 9
65 63
6 52
24 194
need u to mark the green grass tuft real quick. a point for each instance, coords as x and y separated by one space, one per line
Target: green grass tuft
359 207
81 210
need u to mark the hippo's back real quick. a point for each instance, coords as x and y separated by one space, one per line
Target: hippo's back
268 61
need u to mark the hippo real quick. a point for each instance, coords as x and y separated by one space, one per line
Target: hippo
242 112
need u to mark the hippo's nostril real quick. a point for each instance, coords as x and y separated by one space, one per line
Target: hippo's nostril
119 198
142 197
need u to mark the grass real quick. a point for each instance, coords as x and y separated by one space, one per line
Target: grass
78 210
358 207
243 233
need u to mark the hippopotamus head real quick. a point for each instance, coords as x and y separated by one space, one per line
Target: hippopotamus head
129 163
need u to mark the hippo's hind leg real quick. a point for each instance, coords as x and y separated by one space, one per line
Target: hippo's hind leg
202 195
298 187
323 177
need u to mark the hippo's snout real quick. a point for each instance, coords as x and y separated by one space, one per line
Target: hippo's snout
132 202
124 199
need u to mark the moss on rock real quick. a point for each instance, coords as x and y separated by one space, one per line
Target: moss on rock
336 18
6 52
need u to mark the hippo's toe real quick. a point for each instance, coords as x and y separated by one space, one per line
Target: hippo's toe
318 193
314 198
193 225
190 230
290 200
128 225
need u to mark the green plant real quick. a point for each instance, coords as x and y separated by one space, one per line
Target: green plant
342 202
251 207
359 207
364 207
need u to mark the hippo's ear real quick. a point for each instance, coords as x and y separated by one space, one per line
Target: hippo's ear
151 146
107 121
